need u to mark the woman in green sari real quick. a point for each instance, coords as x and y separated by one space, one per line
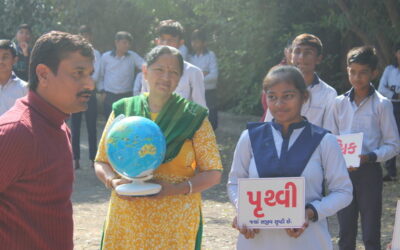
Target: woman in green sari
172 218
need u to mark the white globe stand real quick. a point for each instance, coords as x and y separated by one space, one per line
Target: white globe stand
138 187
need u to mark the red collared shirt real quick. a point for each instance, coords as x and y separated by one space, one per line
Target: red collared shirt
36 177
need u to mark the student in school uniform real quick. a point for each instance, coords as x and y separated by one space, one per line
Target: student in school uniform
306 55
117 71
191 84
206 60
389 86
363 109
290 146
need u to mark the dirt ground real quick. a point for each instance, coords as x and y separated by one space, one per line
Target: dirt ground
90 198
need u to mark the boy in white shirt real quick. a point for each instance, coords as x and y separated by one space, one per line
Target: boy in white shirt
11 87
191 84
205 59
306 55
363 109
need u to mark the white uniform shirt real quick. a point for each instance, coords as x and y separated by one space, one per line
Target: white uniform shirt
389 84
326 163
317 107
117 73
137 86
96 65
14 89
184 51
207 62
374 117
190 86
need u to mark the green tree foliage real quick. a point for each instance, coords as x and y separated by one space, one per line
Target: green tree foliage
247 36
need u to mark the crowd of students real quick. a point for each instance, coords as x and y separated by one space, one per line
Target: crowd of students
302 115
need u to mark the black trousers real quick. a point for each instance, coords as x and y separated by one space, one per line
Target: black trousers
367 201
212 104
110 99
390 165
91 119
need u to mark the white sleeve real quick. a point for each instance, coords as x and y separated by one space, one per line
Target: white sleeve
384 87
212 76
139 61
331 122
330 100
96 65
137 86
240 166
196 82
100 84
336 177
390 143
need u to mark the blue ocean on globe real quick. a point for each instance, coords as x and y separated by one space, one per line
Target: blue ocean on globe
135 146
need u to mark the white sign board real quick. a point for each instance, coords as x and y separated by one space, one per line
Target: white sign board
351 146
396 231
271 202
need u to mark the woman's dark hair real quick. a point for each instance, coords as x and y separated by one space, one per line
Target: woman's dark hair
288 74
53 47
158 51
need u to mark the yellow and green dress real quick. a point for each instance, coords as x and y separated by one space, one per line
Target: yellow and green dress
172 222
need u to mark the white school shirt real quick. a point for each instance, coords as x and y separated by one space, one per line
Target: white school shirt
374 117
14 89
96 65
190 86
207 62
389 85
184 51
326 163
117 73
317 107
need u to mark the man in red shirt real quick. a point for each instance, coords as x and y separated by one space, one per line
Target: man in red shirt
36 173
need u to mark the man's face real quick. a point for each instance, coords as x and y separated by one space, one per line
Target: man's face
6 61
169 40
70 89
23 35
122 45
305 58
360 75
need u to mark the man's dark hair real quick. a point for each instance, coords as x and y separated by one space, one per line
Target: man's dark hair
8 45
24 26
309 40
84 29
123 35
365 55
53 47
170 27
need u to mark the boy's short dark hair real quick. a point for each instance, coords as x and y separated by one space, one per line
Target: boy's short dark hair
199 35
365 55
8 45
123 35
24 26
310 40
170 27
84 29
53 47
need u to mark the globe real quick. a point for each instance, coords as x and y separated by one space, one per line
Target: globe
135 146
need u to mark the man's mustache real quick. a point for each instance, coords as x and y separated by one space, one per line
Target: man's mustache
85 92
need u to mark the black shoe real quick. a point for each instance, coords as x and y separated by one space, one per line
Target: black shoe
389 178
